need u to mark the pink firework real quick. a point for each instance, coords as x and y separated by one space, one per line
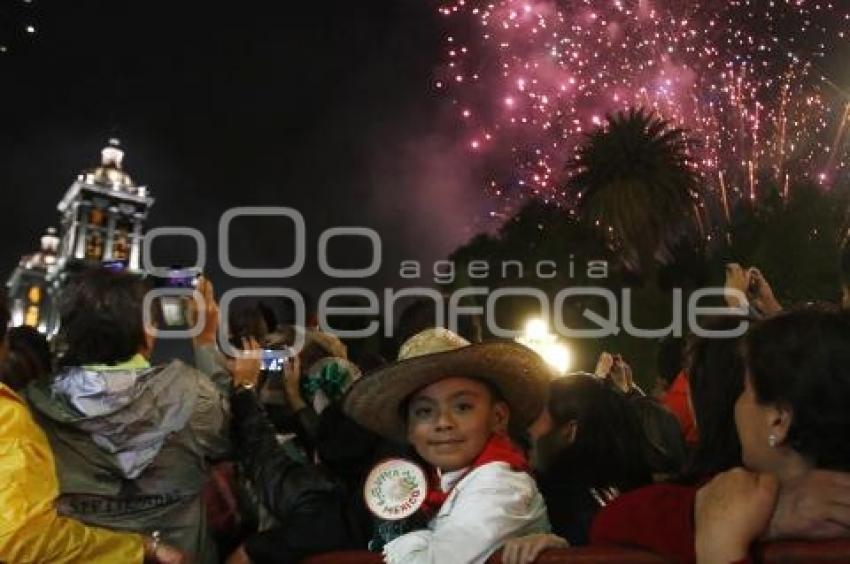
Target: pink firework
747 77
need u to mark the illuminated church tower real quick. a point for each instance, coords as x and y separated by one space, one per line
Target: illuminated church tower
103 214
30 301
102 218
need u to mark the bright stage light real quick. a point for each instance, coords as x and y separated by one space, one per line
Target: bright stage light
538 338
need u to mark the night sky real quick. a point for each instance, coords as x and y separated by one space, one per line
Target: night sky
324 107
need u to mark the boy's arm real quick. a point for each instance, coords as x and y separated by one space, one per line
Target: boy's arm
493 506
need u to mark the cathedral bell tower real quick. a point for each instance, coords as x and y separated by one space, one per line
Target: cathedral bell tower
102 218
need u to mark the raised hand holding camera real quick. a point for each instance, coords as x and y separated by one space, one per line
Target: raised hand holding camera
737 281
245 368
760 293
292 384
211 314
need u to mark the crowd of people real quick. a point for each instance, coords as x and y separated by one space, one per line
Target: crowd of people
453 451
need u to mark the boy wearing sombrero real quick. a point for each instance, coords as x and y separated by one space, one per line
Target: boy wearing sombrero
453 402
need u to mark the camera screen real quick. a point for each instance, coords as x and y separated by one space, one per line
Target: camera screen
172 311
115 265
181 278
274 360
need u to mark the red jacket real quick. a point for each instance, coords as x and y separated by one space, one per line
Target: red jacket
659 518
676 400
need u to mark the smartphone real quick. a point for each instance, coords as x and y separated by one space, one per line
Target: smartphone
181 278
173 311
173 308
274 360
115 265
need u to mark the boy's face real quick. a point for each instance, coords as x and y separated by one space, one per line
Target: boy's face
450 421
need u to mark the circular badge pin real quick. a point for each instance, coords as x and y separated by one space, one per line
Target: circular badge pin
395 489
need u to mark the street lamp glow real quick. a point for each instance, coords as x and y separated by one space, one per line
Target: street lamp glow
536 329
558 356
538 338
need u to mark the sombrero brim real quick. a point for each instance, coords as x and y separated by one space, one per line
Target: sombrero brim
517 371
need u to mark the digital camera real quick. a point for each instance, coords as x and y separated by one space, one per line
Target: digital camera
173 308
274 360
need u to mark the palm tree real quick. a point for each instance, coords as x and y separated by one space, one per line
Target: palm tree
635 177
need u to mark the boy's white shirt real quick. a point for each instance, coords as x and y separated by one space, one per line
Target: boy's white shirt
488 506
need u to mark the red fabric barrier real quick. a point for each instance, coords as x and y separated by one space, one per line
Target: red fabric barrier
787 552
593 555
803 552
351 557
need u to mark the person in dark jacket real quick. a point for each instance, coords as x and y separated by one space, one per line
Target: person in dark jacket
716 379
663 445
588 450
299 493
282 398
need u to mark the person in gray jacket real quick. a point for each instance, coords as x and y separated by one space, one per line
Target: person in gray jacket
133 441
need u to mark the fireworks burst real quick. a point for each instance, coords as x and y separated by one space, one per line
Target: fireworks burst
529 77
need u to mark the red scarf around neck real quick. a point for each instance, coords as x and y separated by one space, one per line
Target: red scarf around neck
498 449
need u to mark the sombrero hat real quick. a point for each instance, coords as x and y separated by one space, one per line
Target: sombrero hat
516 371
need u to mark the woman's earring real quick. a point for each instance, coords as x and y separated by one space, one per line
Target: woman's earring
772 440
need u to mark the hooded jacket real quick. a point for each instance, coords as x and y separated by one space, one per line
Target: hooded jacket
30 529
132 443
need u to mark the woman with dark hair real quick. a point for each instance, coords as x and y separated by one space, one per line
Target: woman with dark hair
715 368
588 449
590 453
792 419
792 415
